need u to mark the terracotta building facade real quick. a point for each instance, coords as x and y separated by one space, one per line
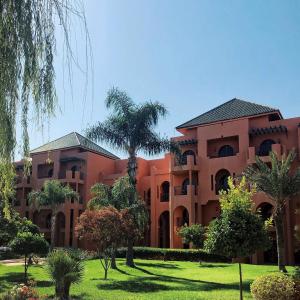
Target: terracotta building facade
219 143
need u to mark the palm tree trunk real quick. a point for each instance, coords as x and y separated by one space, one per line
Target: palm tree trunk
278 220
53 226
129 254
131 170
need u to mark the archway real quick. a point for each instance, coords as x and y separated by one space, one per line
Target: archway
165 191
60 229
180 218
164 230
185 155
265 147
265 209
225 151
221 181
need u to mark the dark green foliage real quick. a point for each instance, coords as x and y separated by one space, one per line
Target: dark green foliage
64 270
194 234
28 244
172 254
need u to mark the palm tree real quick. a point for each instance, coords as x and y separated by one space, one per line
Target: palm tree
53 194
130 128
280 184
64 270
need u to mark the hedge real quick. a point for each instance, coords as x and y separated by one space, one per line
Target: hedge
172 254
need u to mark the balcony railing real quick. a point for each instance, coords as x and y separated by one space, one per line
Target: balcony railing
69 174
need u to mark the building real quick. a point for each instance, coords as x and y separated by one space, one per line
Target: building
219 143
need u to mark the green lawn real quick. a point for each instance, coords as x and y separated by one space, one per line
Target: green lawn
150 279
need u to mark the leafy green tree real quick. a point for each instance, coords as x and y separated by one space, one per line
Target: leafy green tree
27 244
27 77
280 184
194 234
64 270
118 196
130 128
238 232
53 194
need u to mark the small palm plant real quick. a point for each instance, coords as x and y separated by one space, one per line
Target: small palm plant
53 194
64 270
130 128
280 184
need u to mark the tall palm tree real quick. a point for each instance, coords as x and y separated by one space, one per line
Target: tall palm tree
280 184
53 194
130 128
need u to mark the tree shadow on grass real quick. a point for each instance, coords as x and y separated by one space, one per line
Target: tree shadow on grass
12 278
159 265
208 265
155 283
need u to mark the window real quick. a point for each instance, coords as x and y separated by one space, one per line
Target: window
165 188
265 147
184 156
222 180
226 151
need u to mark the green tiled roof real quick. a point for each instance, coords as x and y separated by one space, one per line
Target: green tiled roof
74 140
232 109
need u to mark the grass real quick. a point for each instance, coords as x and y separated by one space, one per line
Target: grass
151 279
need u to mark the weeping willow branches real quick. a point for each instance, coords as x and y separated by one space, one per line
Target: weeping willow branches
27 75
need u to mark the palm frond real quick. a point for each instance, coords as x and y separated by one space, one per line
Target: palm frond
119 101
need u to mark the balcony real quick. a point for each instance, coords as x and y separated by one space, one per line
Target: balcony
22 181
184 194
252 153
191 163
71 176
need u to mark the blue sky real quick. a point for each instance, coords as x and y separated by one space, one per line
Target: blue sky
189 55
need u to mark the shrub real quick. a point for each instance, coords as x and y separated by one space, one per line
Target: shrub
273 286
172 254
20 292
64 270
193 234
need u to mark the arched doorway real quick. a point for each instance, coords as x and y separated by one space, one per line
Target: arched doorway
265 147
165 191
60 229
164 230
180 218
225 151
265 209
186 154
221 181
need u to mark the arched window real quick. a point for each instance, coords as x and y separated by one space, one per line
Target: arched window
265 147
226 151
148 199
165 190
185 154
185 184
222 180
